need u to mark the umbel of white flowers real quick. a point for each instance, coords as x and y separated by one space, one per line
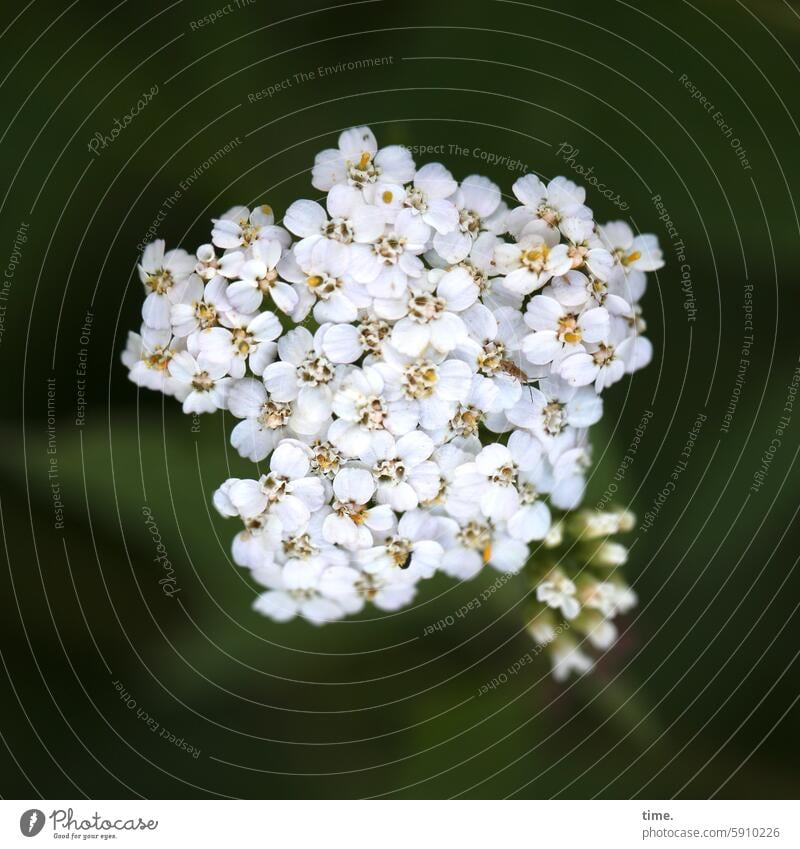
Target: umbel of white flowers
427 408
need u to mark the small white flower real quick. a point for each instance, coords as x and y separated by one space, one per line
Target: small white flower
287 492
487 485
359 163
303 375
245 341
639 253
493 349
209 265
605 363
147 356
586 249
349 219
166 277
207 307
554 408
503 484
533 260
608 597
432 316
568 658
415 548
550 204
558 591
346 343
265 421
429 197
200 383
297 589
386 264
389 590
477 543
259 277
479 208
433 386
403 472
324 282
241 228
362 409
559 332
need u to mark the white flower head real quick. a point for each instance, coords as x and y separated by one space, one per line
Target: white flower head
418 368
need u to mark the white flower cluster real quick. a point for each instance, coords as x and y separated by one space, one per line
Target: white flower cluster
417 365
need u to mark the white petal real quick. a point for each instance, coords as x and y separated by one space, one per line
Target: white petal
543 313
281 381
248 497
410 337
277 605
246 398
509 555
342 343
529 190
578 369
319 610
295 346
380 518
400 497
492 458
305 218
244 296
459 289
355 485
414 447
156 311
454 381
541 347
290 460
292 513
594 325
447 332
530 523
252 441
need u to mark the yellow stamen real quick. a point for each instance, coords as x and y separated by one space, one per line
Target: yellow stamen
487 553
314 281
537 253
364 161
627 260
387 197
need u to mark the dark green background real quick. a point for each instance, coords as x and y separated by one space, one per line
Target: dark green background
700 695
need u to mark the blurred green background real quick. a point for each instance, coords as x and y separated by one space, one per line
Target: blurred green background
698 698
